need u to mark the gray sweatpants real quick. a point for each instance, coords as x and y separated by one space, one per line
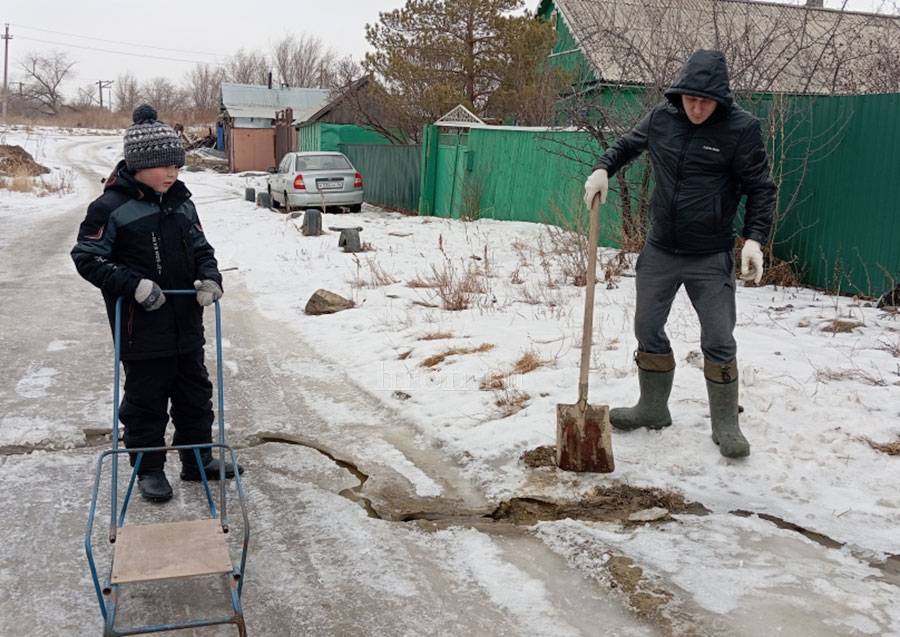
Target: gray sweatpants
709 281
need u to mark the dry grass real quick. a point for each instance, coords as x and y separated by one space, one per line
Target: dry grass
841 326
527 363
856 374
418 283
104 119
373 275
436 336
21 180
457 288
508 402
567 249
890 448
404 355
893 348
431 361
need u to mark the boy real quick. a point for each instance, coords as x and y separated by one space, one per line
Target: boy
141 235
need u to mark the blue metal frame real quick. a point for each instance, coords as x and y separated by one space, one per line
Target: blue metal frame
235 578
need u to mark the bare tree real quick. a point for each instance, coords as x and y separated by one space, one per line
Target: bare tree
45 75
247 67
203 87
126 93
304 62
163 94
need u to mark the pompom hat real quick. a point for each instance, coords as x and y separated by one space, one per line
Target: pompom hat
150 143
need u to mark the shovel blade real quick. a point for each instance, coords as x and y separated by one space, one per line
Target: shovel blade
583 438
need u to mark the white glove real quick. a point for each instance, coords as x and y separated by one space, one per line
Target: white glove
148 294
751 261
208 292
596 184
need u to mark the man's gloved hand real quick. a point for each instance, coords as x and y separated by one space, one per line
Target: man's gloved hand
751 261
596 184
148 294
208 292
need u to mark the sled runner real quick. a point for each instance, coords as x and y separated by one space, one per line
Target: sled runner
170 550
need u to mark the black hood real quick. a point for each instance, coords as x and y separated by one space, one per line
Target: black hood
705 74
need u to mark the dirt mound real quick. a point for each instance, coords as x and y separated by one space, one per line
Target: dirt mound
16 162
617 502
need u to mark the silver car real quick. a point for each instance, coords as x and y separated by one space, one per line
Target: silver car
313 179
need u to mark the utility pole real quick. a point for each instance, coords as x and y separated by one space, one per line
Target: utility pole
102 84
6 38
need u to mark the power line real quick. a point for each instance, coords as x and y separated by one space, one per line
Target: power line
145 46
140 55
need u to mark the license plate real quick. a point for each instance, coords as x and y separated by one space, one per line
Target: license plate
329 185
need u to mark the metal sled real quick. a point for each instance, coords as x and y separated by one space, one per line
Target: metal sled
184 549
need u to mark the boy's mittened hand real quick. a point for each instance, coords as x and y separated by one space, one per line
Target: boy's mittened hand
149 295
208 292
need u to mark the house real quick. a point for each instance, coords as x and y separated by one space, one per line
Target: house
770 48
248 114
349 116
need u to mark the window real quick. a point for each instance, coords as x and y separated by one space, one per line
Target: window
323 162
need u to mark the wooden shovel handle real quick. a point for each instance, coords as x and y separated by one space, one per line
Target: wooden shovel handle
590 284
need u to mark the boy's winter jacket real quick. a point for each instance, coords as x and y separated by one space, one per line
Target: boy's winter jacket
132 233
701 171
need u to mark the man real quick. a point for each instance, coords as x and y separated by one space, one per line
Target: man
707 153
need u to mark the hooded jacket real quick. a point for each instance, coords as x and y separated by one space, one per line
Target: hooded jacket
132 233
701 171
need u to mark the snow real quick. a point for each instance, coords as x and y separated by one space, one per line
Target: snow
810 396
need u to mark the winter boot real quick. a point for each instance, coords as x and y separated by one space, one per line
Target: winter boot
722 387
191 472
154 486
655 374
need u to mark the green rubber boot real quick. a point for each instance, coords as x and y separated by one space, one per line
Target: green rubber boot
722 387
655 375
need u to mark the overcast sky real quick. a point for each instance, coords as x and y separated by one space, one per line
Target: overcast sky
169 37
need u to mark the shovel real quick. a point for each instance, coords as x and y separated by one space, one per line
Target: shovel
583 438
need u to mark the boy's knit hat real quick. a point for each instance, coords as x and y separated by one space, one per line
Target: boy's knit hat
150 143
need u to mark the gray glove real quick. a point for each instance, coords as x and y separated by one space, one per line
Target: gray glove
148 294
208 292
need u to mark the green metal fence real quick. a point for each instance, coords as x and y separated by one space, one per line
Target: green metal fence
324 136
391 174
837 160
844 225
512 174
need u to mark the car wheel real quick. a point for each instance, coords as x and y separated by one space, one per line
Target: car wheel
357 207
275 204
287 202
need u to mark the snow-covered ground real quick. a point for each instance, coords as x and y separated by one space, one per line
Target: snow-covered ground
811 395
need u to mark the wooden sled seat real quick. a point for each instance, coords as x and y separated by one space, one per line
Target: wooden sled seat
175 549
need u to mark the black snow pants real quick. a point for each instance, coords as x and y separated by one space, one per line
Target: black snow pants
149 386
709 280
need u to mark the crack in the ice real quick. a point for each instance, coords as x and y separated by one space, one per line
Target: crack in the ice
354 494
890 567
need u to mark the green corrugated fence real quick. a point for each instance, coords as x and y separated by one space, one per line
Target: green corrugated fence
390 173
839 177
